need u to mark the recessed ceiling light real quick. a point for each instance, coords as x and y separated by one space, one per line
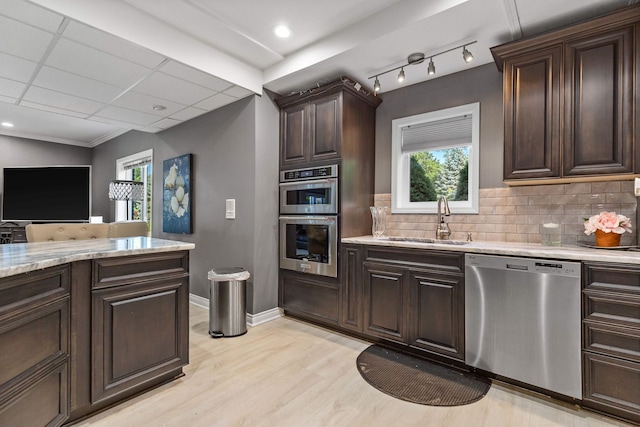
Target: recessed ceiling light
7 124
282 31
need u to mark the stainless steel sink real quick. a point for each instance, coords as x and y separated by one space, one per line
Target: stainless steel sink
427 240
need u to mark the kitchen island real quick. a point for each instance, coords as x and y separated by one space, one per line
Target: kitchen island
86 324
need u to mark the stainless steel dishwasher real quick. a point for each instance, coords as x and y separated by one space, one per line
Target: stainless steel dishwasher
522 320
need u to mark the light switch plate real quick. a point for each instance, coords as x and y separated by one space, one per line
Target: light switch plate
230 209
636 186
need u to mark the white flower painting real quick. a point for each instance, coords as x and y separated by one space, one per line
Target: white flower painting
176 212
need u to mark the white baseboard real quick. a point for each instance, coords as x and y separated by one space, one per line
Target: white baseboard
252 319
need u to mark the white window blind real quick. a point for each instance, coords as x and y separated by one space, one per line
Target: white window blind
438 134
137 163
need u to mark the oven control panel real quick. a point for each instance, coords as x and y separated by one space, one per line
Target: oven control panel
310 173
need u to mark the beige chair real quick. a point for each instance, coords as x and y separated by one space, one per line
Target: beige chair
63 231
128 229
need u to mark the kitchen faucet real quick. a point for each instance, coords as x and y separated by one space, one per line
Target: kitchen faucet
442 228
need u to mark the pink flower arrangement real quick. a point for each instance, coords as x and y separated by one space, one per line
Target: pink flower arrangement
609 222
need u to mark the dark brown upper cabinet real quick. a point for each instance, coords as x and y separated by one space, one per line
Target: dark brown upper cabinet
324 125
569 100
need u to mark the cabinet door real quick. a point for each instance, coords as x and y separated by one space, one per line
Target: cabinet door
385 301
325 128
139 332
437 313
532 115
308 295
598 131
351 288
294 135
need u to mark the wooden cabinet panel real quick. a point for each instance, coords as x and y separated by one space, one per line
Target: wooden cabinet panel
385 301
326 128
19 294
616 309
139 332
611 277
437 313
351 288
612 385
294 133
532 110
598 131
310 297
612 340
126 270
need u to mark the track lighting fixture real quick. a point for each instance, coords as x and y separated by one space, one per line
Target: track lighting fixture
431 70
418 58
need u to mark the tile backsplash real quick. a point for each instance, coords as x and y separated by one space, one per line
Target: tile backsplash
516 214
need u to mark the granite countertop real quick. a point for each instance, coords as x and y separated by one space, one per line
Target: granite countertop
574 253
23 257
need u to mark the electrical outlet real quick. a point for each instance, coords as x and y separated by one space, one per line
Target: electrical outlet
230 209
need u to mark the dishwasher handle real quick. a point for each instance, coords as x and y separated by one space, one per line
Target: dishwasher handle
517 267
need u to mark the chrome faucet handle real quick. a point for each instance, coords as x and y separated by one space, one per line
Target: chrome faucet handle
469 239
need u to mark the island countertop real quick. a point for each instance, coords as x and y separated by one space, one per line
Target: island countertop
574 253
24 257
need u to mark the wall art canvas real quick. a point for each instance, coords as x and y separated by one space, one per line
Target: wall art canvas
177 195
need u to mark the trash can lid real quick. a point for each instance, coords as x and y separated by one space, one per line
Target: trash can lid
228 273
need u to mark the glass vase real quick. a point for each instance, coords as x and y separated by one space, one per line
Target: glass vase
379 217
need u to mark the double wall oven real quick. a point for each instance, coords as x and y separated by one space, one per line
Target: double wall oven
309 220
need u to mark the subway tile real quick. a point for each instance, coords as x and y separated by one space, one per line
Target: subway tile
581 209
604 207
528 228
528 210
496 219
495 237
627 186
620 198
534 238
517 200
493 201
506 228
486 210
552 189
506 210
563 199
551 209
540 200
538 219
577 188
568 240
592 198
486 228
517 238
533 190
605 187
480 237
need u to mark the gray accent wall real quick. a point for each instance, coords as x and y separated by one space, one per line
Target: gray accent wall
481 84
235 156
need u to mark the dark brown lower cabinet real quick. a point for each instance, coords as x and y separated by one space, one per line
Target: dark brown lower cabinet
611 339
437 306
386 300
310 296
34 338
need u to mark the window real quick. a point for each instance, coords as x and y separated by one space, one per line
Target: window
137 167
436 154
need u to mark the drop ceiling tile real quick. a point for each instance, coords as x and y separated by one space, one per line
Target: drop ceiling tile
127 116
31 14
173 89
22 40
185 72
114 122
11 88
61 100
165 123
62 81
144 103
94 64
14 68
59 111
187 113
237 92
113 45
216 101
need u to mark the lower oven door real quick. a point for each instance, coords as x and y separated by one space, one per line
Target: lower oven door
309 244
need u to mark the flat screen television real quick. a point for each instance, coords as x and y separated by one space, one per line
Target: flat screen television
46 194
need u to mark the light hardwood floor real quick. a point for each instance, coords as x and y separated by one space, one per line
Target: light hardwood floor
288 373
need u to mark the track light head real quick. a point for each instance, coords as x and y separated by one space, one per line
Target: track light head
466 55
401 75
376 85
431 69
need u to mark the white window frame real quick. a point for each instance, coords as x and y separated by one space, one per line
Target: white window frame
400 162
121 206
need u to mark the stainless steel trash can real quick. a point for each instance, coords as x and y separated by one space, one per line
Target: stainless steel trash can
228 302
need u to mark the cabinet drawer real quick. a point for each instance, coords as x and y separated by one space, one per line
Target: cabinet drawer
430 260
20 294
612 385
621 310
34 338
310 297
612 340
611 277
132 269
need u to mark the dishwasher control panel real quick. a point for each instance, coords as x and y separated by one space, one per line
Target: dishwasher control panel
525 265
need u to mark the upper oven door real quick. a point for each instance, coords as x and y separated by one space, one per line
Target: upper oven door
318 196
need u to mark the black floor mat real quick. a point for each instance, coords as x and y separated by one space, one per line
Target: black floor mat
419 381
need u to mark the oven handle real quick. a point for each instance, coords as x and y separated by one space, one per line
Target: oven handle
308 218
308 182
